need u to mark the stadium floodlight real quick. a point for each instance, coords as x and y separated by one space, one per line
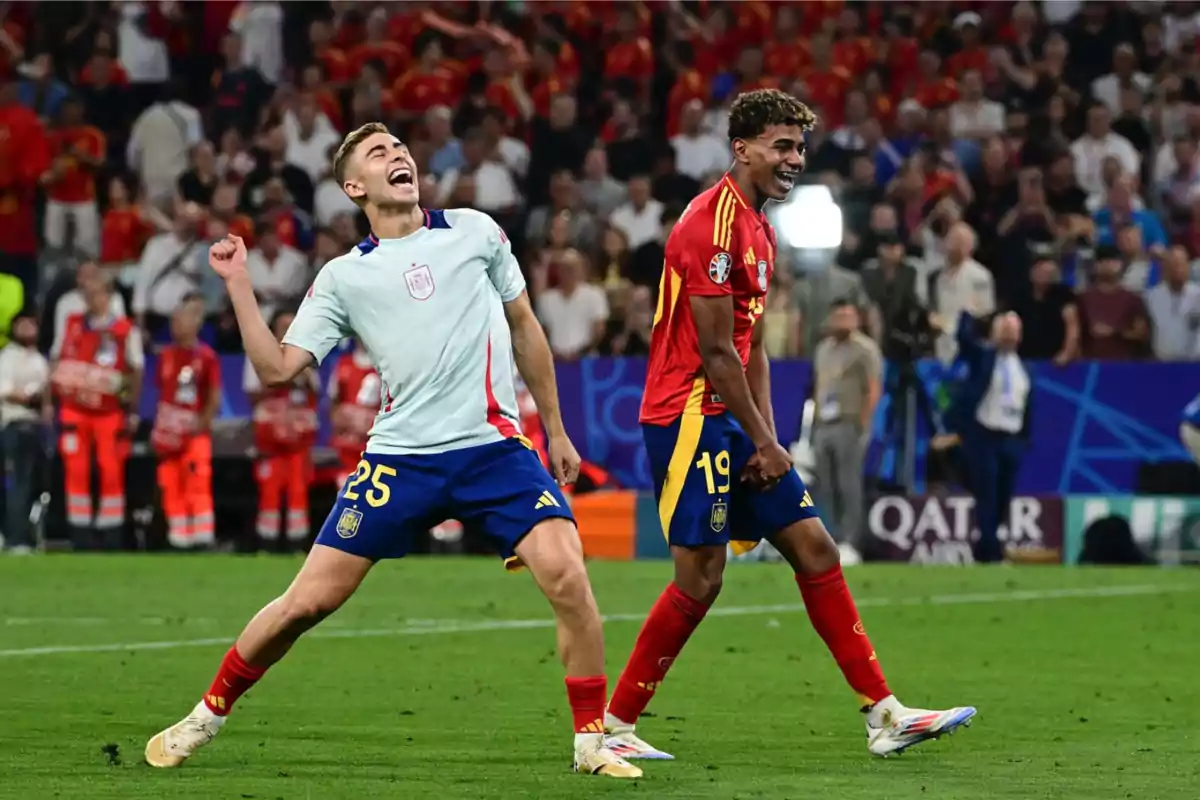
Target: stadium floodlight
809 219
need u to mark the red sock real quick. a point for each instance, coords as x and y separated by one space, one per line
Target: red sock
671 622
836 620
233 679
586 696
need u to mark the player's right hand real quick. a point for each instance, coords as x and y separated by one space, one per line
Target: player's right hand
768 465
228 257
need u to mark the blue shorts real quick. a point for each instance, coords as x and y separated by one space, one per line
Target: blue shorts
696 463
500 488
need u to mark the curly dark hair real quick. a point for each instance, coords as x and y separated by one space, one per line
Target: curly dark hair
753 112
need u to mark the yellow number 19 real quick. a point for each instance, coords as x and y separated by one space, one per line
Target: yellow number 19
380 492
721 463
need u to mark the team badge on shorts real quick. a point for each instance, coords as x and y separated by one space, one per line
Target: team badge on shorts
347 524
719 267
762 275
720 515
420 282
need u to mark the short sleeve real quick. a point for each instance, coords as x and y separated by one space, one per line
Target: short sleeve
503 269
702 251
321 321
135 353
873 359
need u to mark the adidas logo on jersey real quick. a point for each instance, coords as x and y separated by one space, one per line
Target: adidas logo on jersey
545 500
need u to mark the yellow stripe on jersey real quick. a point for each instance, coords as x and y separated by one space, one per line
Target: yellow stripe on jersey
727 205
676 283
690 425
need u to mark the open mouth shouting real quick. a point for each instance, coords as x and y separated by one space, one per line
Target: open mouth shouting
785 178
400 176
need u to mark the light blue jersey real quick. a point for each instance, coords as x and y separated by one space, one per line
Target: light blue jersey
1191 412
429 308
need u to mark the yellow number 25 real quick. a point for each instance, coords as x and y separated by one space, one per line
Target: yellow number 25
380 492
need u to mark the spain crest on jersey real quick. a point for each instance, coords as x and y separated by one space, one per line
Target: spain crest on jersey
719 267
348 522
720 515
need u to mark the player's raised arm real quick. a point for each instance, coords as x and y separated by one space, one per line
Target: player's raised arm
275 364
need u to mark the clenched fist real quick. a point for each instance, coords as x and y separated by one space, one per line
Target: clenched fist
228 257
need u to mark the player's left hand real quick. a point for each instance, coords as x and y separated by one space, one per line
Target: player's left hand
564 461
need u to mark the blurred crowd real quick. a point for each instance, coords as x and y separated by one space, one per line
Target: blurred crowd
985 155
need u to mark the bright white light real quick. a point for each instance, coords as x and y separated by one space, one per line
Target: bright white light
809 219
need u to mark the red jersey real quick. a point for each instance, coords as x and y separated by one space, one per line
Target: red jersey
24 156
356 392
633 60
94 363
186 378
393 56
123 234
78 182
285 417
721 246
417 92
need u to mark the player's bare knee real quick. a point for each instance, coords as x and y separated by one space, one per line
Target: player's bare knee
808 547
566 584
700 572
303 610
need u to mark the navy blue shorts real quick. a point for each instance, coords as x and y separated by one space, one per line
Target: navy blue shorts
696 462
500 488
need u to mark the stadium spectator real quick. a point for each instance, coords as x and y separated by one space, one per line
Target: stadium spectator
159 144
813 296
310 139
329 200
24 158
1120 211
698 152
1114 320
1049 314
501 145
599 192
234 161
41 92
1098 143
962 284
78 151
445 146
24 377
556 142
72 302
1139 268
640 217
848 377
172 265
574 312
259 25
271 163
198 183
1125 75
493 188
564 204
890 282
629 335
1174 309
279 273
973 116
240 90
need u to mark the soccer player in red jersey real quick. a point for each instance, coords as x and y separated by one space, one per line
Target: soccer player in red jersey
720 474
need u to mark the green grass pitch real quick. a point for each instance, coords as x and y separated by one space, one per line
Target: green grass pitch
439 680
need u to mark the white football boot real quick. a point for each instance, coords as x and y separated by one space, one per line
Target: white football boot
593 756
627 744
172 747
893 728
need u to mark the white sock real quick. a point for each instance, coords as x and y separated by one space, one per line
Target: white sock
879 713
588 741
611 722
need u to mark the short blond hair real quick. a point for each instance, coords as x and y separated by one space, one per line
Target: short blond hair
346 150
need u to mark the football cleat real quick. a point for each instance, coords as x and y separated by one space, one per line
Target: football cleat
627 744
909 726
601 760
172 747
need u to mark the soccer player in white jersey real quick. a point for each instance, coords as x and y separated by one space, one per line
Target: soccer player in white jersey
438 300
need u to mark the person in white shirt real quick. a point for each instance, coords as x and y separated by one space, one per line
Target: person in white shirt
640 219
260 26
24 376
963 284
160 146
494 189
1107 88
991 417
144 57
973 116
511 151
697 152
329 199
170 268
574 312
278 273
1097 144
72 302
309 143
1174 308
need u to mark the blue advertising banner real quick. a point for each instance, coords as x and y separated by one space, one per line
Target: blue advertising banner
1093 423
